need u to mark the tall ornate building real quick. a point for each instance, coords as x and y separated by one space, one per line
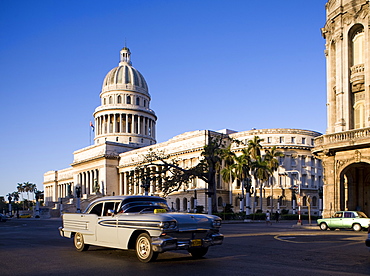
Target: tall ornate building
345 148
125 131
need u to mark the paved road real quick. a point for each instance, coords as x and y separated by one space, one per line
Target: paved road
34 247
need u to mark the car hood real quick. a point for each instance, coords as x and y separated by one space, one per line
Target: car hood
187 221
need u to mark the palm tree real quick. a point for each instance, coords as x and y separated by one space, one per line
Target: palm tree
15 195
242 168
227 172
9 196
33 189
28 187
254 147
261 172
20 189
273 164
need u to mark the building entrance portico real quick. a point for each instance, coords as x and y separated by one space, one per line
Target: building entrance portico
355 187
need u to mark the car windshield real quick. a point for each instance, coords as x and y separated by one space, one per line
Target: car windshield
361 215
141 206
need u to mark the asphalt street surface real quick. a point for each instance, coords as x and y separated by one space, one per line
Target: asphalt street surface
34 247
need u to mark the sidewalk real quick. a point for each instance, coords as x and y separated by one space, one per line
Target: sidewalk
293 223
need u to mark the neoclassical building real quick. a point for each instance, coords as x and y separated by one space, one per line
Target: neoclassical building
125 132
345 148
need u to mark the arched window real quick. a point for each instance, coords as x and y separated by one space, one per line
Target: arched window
314 201
128 99
192 203
269 201
304 201
184 204
359 114
177 204
219 201
358 46
137 101
119 100
104 101
110 100
282 201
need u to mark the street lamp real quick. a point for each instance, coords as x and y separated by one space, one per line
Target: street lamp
146 185
299 193
241 197
78 196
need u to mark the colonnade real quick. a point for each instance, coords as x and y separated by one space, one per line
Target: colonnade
125 123
65 189
89 182
131 182
49 193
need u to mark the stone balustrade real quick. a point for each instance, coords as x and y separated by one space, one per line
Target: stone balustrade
345 136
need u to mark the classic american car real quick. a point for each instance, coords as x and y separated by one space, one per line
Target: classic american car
142 223
345 219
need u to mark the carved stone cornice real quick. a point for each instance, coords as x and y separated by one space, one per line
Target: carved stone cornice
357 157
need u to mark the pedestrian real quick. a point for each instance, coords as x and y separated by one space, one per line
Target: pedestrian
277 216
268 218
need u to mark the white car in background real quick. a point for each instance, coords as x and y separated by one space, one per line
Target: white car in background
143 223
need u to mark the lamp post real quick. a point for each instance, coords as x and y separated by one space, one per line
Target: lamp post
10 205
146 185
241 197
248 192
78 196
299 193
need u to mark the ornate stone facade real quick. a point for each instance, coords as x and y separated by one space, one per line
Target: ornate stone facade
344 149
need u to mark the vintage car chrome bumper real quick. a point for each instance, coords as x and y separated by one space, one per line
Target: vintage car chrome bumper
162 244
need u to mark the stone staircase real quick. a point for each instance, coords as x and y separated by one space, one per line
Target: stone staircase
70 205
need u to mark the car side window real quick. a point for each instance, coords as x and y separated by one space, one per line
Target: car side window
338 215
110 206
348 215
97 209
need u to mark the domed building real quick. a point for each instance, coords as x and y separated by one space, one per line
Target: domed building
123 122
124 115
125 132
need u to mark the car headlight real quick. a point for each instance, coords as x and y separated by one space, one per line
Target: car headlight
216 223
168 225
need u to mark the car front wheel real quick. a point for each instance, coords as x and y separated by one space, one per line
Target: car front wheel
79 242
144 250
356 227
198 252
323 226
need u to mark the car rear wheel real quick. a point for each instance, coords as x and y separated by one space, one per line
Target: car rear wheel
79 242
356 227
323 226
198 252
144 250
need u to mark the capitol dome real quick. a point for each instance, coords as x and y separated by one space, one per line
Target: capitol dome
124 115
125 76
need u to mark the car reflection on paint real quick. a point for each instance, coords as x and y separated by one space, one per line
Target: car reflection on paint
345 220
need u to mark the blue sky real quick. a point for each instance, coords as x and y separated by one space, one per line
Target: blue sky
209 64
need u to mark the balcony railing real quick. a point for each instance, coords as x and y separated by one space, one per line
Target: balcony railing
345 136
